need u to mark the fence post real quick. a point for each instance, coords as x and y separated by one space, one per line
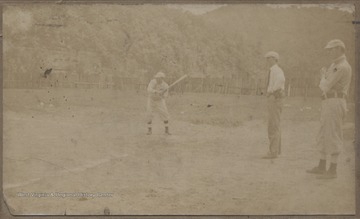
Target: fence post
289 88
256 87
306 89
202 85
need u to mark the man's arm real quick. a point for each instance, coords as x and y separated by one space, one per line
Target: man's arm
327 83
166 93
271 83
151 87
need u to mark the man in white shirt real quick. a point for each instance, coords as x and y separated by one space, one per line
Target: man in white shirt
157 92
275 94
334 84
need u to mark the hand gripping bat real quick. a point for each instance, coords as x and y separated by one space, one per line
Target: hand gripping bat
173 84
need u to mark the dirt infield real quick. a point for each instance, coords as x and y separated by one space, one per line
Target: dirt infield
93 141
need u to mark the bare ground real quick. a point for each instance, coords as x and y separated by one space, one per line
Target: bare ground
62 140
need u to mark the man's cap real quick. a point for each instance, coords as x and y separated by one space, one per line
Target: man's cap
335 43
160 75
272 54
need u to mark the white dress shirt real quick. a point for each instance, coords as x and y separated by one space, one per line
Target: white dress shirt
276 79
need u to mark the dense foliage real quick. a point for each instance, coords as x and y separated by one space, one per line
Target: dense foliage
138 40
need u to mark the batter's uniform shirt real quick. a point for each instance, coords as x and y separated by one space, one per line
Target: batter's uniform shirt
156 104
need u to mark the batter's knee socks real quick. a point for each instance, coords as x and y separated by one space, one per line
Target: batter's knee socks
166 123
322 165
149 128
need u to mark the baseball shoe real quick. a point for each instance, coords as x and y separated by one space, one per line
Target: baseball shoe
327 175
270 156
316 170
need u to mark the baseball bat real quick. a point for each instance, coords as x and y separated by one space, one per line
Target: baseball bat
177 81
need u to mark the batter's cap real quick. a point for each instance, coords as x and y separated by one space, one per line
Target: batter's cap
160 75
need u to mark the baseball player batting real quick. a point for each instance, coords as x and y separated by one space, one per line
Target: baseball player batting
158 90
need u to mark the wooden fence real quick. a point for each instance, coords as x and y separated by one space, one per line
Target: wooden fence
294 86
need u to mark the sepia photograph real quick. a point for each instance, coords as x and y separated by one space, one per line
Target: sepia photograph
179 109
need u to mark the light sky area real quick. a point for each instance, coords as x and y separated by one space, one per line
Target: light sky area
199 9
